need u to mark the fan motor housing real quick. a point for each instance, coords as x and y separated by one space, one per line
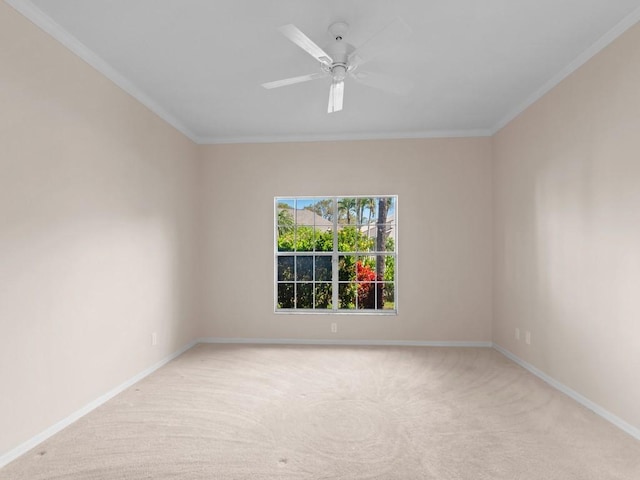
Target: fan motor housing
339 71
339 51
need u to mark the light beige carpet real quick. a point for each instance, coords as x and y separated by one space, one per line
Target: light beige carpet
309 412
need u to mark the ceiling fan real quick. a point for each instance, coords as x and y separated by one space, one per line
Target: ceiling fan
339 60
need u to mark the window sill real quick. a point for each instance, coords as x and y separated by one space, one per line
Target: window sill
338 312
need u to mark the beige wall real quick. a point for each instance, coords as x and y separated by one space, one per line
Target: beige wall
444 263
96 233
567 230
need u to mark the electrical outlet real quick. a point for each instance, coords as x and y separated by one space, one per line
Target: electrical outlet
154 339
527 338
517 334
334 327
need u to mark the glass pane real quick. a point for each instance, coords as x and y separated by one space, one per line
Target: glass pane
286 203
383 222
381 263
305 217
388 295
285 269
368 295
385 206
347 296
367 209
390 242
304 214
386 232
366 268
366 242
304 268
323 239
304 239
285 295
285 224
388 274
304 295
285 215
347 211
286 240
323 269
346 267
323 210
323 295
348 238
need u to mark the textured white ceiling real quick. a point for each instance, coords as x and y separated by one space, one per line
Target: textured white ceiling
199 63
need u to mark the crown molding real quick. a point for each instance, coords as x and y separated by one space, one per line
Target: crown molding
345 137
45 23
622 26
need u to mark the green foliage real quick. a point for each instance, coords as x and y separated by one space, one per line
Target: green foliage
347 295
323 208
285 295
285 221
389 274
305 239
323 295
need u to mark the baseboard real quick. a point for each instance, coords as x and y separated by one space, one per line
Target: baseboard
306 341
65 422
581 399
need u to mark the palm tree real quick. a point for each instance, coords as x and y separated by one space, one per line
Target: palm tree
381 239
360 206
370 203
346 206
285 221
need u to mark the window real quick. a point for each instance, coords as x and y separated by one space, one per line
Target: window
336 254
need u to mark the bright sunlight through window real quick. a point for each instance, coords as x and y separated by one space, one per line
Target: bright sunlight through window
336 254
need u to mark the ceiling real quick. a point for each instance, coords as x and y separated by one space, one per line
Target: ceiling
472 65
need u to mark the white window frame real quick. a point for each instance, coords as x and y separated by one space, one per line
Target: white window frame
334 254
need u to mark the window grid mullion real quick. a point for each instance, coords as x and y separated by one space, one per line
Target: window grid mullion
335 259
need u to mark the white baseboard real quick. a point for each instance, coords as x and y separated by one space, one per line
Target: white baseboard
65 422
305 341
581 399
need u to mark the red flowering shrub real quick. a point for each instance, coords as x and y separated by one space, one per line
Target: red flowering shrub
366 287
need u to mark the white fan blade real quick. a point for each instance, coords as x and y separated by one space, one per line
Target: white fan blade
293 80
388 83
296 36
336 95
393 33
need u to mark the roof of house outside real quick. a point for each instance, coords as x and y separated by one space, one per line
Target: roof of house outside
307 217
372 231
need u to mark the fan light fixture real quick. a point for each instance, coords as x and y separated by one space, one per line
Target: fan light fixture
340 59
